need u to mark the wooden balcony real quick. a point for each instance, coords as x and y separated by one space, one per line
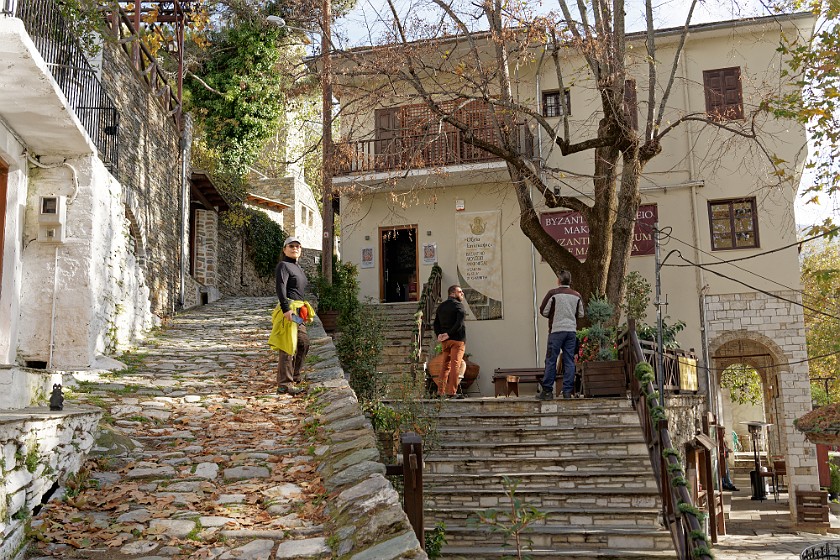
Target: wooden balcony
410 150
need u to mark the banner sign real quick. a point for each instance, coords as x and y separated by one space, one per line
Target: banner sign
480 263
572 232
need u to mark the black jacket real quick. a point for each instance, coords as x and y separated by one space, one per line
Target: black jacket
291 282
449 319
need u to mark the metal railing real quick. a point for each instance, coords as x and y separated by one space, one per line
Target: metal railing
825 551
411 470
677 504
429 298
60 49
410 149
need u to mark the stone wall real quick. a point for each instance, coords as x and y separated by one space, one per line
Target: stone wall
150 171
685 417
39 448
366 518
206 246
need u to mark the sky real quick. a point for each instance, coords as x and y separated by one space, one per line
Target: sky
368 17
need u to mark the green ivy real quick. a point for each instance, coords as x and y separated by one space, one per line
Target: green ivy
248 100
264 239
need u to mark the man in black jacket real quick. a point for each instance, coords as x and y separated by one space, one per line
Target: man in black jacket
451 333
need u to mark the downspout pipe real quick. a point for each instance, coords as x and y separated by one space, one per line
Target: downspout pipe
534 302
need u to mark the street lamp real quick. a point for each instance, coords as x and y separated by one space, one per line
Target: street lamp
326 135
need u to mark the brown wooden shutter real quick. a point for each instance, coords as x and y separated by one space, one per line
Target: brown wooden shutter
724 98
631 104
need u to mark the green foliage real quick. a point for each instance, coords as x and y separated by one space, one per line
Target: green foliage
263 237
597 341
359 347
435 539
813 71
511 524
669 333
343 294
820 286
834 474
32 458
637 296
743 382
246 104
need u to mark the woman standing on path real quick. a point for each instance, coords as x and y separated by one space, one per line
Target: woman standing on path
291 285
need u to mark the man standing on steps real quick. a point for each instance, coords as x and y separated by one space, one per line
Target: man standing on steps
451 333
563 307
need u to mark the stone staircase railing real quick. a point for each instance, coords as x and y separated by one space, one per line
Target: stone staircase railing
429 298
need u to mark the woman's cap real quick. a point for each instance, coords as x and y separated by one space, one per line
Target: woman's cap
291 240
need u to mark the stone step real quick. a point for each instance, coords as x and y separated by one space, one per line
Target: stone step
489 436
605 408
632 478
591 463
566 553
548 537
623 499
647 518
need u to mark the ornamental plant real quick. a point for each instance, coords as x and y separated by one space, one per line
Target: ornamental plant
598 341
823 420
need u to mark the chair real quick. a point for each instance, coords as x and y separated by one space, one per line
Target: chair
780 469
774 480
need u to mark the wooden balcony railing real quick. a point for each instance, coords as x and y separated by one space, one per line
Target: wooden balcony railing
410 150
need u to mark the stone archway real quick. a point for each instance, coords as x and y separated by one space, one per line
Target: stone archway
787 396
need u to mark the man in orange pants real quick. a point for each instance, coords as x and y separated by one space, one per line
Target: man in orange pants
451 333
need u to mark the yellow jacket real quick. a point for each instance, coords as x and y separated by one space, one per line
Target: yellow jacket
284 332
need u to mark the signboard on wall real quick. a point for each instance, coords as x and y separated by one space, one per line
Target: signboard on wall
480 263
571 231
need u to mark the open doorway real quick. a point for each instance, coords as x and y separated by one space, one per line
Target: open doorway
398 276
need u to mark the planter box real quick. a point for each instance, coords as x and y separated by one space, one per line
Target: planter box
603 379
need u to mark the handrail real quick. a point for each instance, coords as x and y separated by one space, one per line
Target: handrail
411 470
679 512
429 298
144 61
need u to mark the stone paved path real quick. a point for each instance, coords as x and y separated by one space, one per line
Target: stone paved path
202 459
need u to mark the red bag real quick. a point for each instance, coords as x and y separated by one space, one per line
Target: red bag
304 313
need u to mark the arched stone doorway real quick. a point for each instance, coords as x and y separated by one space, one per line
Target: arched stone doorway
786 395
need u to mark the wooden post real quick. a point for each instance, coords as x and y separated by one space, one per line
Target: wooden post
412 449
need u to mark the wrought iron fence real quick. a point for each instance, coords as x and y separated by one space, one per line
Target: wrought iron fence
54 39
826 551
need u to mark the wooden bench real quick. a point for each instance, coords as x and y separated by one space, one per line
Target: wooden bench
507 380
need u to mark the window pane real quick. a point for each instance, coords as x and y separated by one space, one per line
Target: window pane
722 241
720 211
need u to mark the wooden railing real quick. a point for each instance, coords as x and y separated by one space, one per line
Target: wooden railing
125 29
411 471
412 150
429 298
679 512
674 377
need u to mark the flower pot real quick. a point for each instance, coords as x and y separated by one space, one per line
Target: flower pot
329 319
830 439
435 368
470 374
603 379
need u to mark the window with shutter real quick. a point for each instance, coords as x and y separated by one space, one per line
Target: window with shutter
733 224
552 106
631 105
724 99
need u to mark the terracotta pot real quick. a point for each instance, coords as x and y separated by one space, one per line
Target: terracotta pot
470 374
435 368
329 319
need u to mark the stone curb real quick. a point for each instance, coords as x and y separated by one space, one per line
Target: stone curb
366 517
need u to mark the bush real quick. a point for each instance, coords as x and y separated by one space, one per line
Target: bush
343 294
359 347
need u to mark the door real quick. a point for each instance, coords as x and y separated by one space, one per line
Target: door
398 280
386 144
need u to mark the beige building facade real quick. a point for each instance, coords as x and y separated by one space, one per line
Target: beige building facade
714 196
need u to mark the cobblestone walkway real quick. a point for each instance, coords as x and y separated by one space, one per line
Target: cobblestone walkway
201 459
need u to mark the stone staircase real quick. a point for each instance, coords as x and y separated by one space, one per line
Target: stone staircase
582 462
399 332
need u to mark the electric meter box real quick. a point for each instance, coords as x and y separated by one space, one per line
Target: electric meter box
52 218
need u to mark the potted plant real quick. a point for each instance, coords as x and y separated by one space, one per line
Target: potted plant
602 374
339 297
821 425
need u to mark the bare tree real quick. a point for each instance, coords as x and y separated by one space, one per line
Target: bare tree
473 59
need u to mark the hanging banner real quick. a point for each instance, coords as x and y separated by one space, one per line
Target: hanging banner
480 263
571 231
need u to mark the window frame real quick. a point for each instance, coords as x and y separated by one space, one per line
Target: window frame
556 92
716 105
732 226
